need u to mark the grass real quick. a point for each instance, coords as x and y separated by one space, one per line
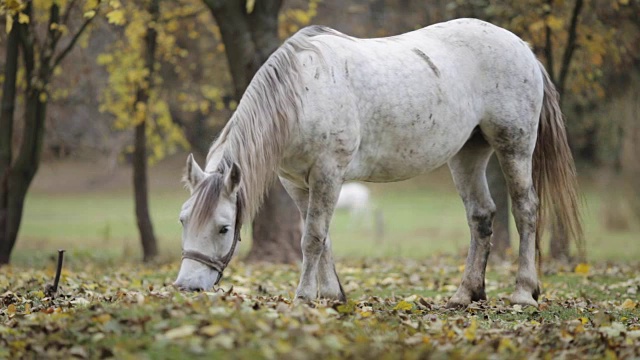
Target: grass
421 218
396 310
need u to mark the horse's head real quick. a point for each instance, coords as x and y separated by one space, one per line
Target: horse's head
211 219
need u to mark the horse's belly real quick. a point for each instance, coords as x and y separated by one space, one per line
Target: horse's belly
402 152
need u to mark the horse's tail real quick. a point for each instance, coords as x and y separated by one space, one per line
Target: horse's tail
554 172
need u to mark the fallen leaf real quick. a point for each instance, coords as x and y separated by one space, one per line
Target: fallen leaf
180 332
582 269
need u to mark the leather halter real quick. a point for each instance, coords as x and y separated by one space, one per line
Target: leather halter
217 264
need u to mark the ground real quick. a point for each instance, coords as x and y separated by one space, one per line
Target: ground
396 310
398 275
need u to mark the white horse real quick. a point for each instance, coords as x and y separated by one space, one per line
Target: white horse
355 198
327 108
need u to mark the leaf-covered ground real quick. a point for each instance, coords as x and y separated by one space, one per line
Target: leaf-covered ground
396 310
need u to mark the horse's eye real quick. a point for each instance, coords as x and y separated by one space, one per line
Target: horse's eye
224 229
182 221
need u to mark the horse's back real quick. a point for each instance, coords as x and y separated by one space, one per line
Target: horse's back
396 107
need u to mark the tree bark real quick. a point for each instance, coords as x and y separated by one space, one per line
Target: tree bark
6 136
23 169
140 181
277 231
249 39
16 175
498 188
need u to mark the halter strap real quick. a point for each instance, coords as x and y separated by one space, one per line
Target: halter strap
217 264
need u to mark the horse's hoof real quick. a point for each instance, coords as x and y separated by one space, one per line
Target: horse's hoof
460 300
453 304
337 297
523 298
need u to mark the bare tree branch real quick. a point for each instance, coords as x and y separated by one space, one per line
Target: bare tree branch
71 43
571 46
67 11
548 46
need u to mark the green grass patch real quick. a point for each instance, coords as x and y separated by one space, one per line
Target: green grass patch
420 218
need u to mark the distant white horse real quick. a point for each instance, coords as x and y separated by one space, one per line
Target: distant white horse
327 108
355 198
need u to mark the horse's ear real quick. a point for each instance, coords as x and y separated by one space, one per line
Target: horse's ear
193 174
232 180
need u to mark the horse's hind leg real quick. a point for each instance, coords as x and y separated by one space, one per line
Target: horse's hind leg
468 169
326 284
514 149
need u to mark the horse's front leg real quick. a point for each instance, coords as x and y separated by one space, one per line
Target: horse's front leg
329 283
317 264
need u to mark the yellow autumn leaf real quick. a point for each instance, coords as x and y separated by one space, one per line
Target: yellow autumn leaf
506 345
90 4
11 309
250 5
102 318
89 14
555 23
9 23
43 97
104 59
116 17
610 355
23 18
583 320
582 269
628 304
470 331
403 305
623 2
12 5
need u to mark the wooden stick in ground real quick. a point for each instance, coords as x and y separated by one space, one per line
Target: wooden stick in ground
51 290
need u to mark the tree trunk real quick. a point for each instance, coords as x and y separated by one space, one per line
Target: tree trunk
140 181
24 168
249 39
6 136
16 175
276 238
498 188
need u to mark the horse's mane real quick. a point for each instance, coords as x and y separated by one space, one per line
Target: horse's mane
255 136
